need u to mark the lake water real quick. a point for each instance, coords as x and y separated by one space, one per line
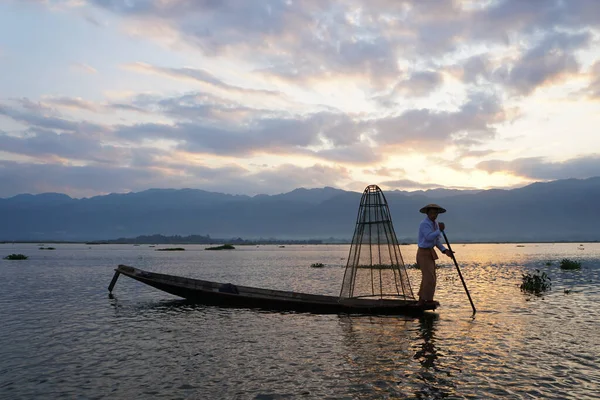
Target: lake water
63 337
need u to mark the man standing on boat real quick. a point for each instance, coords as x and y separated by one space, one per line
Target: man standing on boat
430 233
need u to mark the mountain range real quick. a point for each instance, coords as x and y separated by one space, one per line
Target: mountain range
562 210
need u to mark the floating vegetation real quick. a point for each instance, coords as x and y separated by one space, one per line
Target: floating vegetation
567 291
548 263
281 247
171 249
47 248
416 266
16 257
567 264
223 247
520 245
376 266
536 283
317 265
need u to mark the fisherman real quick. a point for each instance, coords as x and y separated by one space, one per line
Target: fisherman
430 233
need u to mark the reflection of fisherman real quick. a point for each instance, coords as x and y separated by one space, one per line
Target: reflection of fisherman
431 376
429 236
427 355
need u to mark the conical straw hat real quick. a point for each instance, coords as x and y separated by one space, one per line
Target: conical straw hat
428 206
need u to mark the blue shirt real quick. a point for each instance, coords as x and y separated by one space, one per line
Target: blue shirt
430 235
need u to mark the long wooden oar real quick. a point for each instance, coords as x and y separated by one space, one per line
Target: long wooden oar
459 273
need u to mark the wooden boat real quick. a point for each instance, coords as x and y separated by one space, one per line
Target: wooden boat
229 295
375 280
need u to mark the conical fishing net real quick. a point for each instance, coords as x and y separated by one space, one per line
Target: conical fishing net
375 268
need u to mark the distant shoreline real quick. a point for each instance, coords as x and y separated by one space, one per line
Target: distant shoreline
267 242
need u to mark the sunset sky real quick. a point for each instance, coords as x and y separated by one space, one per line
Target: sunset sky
253 96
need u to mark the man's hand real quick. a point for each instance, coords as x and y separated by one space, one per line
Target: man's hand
449 253
442 226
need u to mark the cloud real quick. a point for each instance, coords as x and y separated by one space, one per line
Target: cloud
197 106
190 106
73 103
201 128
370 61
205 124
143 104
288 177
195 131
473 123
126 107
406 184
308 42
409 27
291 40
341 83
476 68
83 181
465 153
550 60
41 116
419 83
36 107
47 145
200 76
93 20
359 153
539 168
82 67
502 17
593 89
76 181
339 136
385 171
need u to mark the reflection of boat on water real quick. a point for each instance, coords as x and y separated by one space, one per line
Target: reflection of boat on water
375 280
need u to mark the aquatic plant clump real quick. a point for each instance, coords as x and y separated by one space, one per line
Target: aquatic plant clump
16 257
536 283
317 265
376 266
565 263
416 266
223 247
171 249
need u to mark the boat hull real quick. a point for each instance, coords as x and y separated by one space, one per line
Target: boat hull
228 295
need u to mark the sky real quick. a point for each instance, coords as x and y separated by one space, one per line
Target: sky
264 96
